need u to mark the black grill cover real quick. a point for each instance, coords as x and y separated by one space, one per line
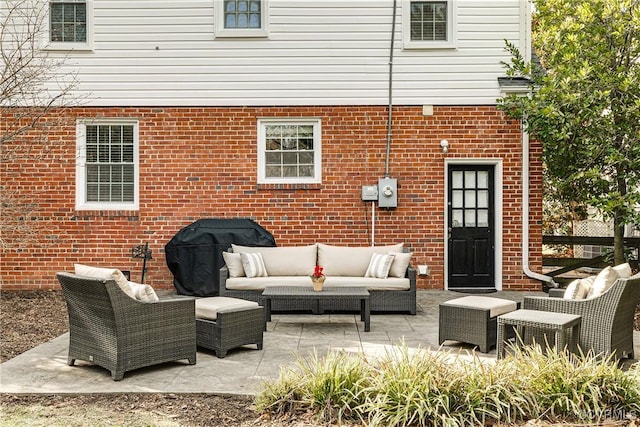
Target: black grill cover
194 254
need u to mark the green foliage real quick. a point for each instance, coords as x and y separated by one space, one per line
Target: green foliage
585 106
422 388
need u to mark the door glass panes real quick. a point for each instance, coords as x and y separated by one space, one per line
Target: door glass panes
469 218
483 179
457 218
483 198
457 180
470 179
456 199
470 198
483 217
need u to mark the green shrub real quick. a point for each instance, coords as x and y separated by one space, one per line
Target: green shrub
422 388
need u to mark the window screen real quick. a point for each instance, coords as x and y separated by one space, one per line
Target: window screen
68 21
428 21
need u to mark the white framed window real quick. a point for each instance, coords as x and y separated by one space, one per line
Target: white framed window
70 25
289 151
241 18
429 24
107 164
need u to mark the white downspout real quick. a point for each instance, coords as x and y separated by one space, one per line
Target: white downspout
525 216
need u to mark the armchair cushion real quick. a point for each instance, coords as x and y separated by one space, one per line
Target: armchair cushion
578 289
143 292
105 274
603 282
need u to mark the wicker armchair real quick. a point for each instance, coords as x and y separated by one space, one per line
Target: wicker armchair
114 331
607 320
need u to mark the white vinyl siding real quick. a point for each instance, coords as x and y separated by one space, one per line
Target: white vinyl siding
166 53
106 173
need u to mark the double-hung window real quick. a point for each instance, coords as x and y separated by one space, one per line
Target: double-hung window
241 18
70 24
107 168
289 151
429 24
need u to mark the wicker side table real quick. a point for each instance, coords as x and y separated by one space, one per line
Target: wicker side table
565 327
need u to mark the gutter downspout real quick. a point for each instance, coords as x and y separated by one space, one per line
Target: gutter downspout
525 216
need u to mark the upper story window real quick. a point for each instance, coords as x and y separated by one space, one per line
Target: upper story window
241 18
429 24
107 169
289 151
70 25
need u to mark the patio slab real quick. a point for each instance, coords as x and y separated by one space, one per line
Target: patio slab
243 371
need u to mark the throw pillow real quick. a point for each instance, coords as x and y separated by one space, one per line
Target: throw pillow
234 264
143 292
379 266
577 289
253 265
400 264
105 274
604 280
623 270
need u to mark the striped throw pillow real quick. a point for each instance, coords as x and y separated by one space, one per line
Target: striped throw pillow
253 264
379 266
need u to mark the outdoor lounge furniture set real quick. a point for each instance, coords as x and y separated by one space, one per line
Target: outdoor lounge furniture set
384 271
596 318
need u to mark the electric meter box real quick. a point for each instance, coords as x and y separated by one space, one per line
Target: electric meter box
388 193
370 193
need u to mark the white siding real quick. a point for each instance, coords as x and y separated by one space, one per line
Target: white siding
318 53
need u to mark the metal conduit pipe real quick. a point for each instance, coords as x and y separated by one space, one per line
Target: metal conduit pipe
390 114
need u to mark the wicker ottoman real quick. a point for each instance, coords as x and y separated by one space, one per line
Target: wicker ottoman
473 320
224 323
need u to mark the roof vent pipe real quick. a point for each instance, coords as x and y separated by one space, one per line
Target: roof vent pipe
390 114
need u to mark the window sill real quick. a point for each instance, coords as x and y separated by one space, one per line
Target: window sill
110 215
289 186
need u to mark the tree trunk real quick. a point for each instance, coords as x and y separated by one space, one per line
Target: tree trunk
618 236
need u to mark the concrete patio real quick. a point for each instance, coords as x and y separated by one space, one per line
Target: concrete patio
44 369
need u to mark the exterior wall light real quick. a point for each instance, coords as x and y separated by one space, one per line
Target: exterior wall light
445 145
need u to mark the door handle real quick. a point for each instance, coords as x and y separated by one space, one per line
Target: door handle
449 230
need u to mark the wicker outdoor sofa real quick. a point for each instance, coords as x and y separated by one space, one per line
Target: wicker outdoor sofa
111 329
607 320
392 289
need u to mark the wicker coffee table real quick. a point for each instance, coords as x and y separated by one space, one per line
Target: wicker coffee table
327 294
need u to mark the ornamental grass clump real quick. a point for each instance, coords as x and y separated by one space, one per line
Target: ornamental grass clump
418 388
330 386
421 388
581 387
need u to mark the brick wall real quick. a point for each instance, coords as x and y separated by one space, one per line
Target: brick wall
201 163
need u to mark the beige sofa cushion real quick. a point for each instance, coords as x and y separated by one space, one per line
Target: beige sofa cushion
284 260
400 264
379 266
623 270
234 264
371 283
350 261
